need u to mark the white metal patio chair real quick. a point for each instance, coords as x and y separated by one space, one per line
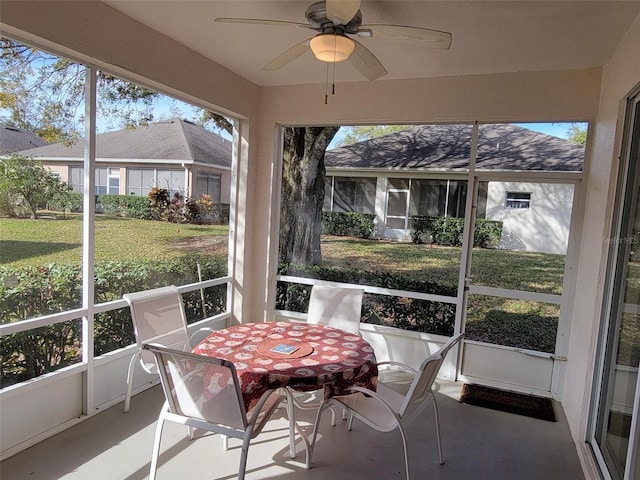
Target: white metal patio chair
158 317
387 408
216 406
339 307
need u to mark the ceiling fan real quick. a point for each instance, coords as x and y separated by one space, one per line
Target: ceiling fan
336 21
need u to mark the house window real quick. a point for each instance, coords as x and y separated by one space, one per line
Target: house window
208 183
172 180
442 198
107 181
354 195
76 179
518 200
140 181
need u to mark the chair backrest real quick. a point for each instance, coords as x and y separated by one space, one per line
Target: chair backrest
420 389
338 307
158 317
200 387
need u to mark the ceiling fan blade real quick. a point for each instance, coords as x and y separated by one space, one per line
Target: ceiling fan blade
288 56
263 21
366 62
433 38
340 12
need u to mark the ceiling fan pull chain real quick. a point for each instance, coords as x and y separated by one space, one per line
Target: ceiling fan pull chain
326 86
333 83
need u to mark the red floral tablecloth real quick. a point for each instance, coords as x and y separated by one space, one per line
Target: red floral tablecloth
339 359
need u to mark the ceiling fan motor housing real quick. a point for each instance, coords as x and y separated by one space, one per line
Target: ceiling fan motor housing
317 17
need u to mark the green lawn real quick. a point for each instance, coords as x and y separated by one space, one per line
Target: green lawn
41 241
530 271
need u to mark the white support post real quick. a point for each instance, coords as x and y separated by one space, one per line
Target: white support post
464 279
88 236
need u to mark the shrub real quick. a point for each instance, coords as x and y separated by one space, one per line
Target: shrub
420 228
26 186
216 213
29 292
487 233
131 206
450 231
349 224
71 201
159 202
401 312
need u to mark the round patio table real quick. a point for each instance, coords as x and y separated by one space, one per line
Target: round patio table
323 357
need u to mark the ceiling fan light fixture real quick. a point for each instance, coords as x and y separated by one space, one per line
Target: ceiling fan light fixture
330 47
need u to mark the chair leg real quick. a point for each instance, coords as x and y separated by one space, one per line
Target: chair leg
243 456
435 411
314 435
156 445
127 397
403 434
291 415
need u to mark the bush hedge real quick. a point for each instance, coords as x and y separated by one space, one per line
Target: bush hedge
130 206
29 292
401 312
449 231
349 224
175 210
68 201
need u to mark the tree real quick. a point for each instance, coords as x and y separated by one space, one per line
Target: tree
356 134
26 185
577 133
44 94
303 193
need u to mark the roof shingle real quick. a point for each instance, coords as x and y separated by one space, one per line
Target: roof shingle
15 139
166 140
500 146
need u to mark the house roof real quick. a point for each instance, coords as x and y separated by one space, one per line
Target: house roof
173 139
14 139
502 146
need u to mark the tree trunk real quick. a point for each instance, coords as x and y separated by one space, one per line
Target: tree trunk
303 193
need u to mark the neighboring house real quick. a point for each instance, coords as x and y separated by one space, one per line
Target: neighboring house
14 139
424 171
174 154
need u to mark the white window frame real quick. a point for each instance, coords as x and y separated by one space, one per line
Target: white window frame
524 203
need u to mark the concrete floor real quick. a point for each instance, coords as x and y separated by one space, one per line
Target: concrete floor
478 444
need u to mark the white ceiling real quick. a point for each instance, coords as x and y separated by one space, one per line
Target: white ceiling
488 36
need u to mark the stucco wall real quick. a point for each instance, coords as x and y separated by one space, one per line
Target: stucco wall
620 75
544 227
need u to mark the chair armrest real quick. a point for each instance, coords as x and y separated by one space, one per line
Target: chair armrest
403 366
376 396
